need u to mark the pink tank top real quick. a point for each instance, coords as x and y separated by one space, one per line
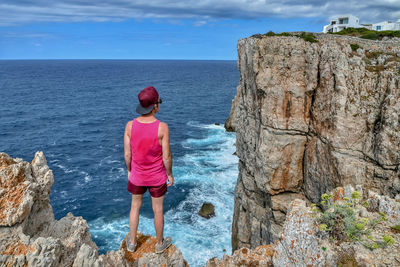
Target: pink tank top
147 167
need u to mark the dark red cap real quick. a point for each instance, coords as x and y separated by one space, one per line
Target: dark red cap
147 98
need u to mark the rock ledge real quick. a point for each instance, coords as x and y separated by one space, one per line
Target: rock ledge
30 236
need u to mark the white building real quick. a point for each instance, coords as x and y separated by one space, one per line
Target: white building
342 22
386 26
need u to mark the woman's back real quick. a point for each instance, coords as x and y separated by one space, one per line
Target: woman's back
147 168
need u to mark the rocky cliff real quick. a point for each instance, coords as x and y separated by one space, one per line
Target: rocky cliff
303 244
30 236
311 116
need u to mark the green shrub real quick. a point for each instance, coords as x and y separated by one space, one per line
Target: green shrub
383 216
352 31
354 47
356 195
388 34
371 35
360 226
374 246
270 33
308 37
368 34
389 240
342 222
284 34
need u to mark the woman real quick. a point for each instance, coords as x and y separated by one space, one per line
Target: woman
149 162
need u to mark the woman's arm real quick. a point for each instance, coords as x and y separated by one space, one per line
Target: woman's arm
166 152
127 146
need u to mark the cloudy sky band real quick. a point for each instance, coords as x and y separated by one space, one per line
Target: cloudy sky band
160 29
14 12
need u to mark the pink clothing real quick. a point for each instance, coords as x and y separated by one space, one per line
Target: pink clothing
147 166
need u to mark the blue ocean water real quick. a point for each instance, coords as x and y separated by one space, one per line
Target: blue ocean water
76 110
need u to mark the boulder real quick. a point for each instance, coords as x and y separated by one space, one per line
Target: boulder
207 210
144 254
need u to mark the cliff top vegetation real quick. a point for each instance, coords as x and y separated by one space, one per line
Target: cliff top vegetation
356 32
368 34
306 36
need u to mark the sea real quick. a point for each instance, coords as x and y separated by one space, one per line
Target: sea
75 111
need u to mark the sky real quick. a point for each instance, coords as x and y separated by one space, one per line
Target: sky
159 29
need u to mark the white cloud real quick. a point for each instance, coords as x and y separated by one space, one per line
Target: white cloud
200 23
28 11
23 35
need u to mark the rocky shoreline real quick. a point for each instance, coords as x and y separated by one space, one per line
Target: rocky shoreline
30 236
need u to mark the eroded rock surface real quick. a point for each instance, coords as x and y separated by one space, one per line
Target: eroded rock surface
260 256
302 244
310 117
30 236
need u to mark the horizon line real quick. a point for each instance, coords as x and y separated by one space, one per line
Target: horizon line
150 59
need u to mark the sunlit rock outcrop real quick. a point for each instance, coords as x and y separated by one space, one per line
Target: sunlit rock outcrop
30 236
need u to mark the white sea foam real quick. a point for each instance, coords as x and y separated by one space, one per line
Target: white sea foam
210 168
86 177
104 160
63 168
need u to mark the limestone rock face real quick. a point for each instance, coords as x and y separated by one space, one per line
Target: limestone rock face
260 256
299 245
145 256
17 190
30 236
231 121
310 117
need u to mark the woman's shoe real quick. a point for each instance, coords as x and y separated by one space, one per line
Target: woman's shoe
130 247
165 244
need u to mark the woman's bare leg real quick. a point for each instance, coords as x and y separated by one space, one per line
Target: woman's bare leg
158 210
134 216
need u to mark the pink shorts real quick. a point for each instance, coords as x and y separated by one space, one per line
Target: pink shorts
155 191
